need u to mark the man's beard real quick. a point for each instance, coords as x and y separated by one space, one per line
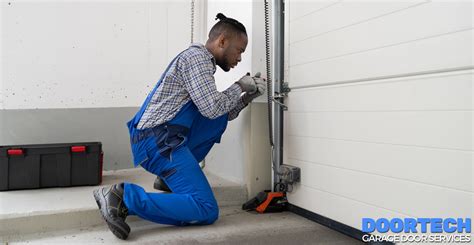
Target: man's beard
226 68
223 64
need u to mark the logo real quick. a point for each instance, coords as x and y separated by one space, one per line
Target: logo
448 230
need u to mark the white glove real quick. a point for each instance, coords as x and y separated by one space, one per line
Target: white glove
261 87
257 78
247 84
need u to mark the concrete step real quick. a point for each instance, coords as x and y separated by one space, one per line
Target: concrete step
234 226
42 210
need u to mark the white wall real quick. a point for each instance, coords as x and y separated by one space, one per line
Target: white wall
104 54
228 158
86 54
74 71
244 153
380 115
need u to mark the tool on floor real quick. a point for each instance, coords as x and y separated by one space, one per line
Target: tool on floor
267 202
270 202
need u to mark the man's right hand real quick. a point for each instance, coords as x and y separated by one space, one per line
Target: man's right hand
247 84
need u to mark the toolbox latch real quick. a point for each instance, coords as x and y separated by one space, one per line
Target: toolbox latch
78 148
15 152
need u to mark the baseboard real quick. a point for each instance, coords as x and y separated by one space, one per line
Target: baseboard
332 224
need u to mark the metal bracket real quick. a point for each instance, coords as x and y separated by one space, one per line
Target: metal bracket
289 176
274 99
285 90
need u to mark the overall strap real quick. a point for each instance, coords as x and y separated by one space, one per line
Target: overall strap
139 114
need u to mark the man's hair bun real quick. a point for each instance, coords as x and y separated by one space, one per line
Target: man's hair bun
220 16
226 25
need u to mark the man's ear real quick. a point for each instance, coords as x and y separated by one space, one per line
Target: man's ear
221 41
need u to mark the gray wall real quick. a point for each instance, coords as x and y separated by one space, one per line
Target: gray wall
40 126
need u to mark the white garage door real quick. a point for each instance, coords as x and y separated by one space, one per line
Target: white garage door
380 113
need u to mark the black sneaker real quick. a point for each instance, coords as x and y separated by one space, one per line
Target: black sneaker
113 209
161 185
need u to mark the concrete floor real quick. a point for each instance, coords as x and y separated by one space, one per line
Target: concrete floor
70 215
54 200
233 227
40 210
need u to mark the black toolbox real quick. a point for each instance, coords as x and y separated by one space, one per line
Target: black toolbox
50 165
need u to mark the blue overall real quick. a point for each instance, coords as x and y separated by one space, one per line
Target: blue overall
173 151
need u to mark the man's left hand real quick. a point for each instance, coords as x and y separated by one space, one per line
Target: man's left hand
261 87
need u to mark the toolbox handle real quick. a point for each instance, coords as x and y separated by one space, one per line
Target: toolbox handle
78 148
15 152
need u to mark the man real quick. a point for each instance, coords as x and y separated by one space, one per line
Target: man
180 121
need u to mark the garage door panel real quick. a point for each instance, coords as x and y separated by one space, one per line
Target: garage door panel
338 208
416 164
444 92
445 52
380 115
447 129
303 8
438 18
471 87
329 18
389 193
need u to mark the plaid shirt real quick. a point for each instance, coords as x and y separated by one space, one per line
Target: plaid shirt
191 77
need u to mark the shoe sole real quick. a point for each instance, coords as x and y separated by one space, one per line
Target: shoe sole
117 230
